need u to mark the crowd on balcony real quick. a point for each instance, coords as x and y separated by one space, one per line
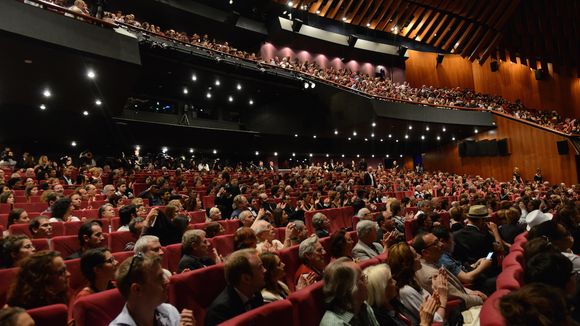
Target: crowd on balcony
416 247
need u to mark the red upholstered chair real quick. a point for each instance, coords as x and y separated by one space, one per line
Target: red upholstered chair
517 246
513 258
173 256
490 314
347 213
69 244
122 255
76 280
72 228
40 244
230 226
197 289
5 208
224 244
118 240
410 229
522 238
98 309
444 218
86 213
369 262
208 201
308 305
197 217
279 313
56 314
510 278
4 220
20 229
7 277
290 258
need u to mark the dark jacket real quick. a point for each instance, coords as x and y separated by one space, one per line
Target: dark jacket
228 305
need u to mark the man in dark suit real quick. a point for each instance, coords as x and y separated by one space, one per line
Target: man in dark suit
477 238
244 275
370 179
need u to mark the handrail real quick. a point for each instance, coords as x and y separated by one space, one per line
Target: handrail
334 84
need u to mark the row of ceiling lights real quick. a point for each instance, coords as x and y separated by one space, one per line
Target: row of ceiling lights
217 83
47 94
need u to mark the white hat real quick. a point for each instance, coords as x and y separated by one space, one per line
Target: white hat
536 217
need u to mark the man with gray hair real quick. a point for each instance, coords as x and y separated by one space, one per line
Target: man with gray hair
300 233
150 244
424 207
196 251
364 214
108 190
311 254
321 225
214 215
266 235
366 247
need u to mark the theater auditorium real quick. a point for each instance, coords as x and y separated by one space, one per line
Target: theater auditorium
289 163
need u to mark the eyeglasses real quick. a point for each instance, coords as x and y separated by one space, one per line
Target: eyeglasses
138 256
435 243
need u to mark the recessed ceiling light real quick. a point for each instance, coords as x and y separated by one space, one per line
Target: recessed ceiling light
374 124
410 127
366 139
310 154
349 138
318 12
43 107
208 95
357 155
98 102
275 153
336 132
91 74
342 155
314 136
185 90
390 135
422 137
476 131
215 151
327 155
444 130
137 147
295 135
387 156
427 128
373 135
382 140
217 82
231 99
453 138
438 138
368 24
73 143
343 19
194 77
293 154
401 155
85 113
373 155
290 3
257 153
239 87
406 136
354 133
396 141
47 93
191 150
251 102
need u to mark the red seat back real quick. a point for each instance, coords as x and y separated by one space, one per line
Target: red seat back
76 281
72 228
98 309
173 256
69 244
191 290
197 217
230 226
224 244
122 255
118 240
7 277
411 227
40 244
20 229
290 258
510 278
279 313
308 305
490 314
56 314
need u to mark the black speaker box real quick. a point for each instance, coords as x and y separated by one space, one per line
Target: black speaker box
494 66
540 74
461 149
502 147
562 147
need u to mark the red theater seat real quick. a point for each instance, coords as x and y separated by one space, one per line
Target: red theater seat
410 229
121 256
197 217
279 313
69 244
224 244
197 289
56 314
76 281
510 278
72 228
98 309
118 240
308 305
86 213
490 314
7 277
40 244
173 256
20 229
230 226
513 258
290 258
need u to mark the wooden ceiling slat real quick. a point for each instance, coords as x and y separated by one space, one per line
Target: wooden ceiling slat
432 21
424 18
334 11
361 18
417 22
467 37
445 32
417 13
454 34
354 15
477 9
326 8
433 31
485 39
402 18
315 6
384 20
344 12
437 31
379 20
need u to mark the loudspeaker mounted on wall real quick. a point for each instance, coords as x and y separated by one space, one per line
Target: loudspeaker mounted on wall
494 66
540 74
440 58
562 147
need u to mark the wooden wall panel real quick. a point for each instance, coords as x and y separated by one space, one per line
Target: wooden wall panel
530 148
560 92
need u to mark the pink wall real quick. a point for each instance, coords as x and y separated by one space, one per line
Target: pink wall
269 51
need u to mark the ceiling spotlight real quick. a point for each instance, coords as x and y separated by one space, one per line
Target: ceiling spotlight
390 136
401 156
476 131
257 153
231 2
373 155
290 4
396 141
217 82
164 149
306 85
310 154
357 155
438 138
374 124
349 138
444 130
342 155
194 77
368 24
327 155
410 127
91 74
373 135
336 132
98 102
453 139
230 99
191 150
312 84
382 140
294 154
185 90
314 136
343 19
406 136
387 156
366 139
85 113
275 153
318 12
295 135
47 93
427 128
43 107
208 95
354 133
239 87
422 137
215 151
73 143
251 102
137 147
